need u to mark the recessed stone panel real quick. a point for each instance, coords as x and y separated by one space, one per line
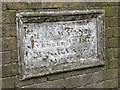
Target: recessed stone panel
57 41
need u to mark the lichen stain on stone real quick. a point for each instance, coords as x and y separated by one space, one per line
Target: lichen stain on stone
67 28
32 41
31 30
28 31
45 59
26 53
28 46
25 31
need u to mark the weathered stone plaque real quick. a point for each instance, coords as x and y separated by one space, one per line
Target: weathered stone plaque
57 41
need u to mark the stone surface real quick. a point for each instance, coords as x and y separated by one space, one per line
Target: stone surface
109 32
107 22
59 76
55 84
87 79
110 74
9 30
60 46
14 56
111 11
16 5
40 85
32 81
116 32
97 76
71 81
109 53
113 63
111 83
4 6
114 22
112 52
56 44
10 70
1 45
116 52
6 57
98 85
9 44
113 3
8 16
89 86
113 43
49 84
8 82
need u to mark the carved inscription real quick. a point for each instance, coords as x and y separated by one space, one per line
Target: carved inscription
49 44
52 43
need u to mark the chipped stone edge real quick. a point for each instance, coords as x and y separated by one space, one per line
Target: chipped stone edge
19 24
56 13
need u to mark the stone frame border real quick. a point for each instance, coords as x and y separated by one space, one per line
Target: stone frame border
101 37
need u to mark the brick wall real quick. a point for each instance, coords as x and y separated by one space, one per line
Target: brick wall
97 77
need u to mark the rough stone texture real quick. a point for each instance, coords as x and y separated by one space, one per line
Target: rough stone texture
55 84
107 22
58 76
6 57
110 53
98 85
116 52
9 57
3 6
111 74
109 32
31 81
16 5
8 16
97 77
87 79
113 22
113 43
8 82
9 30
111 11
113 63
72 46
116 32
9 44
71 81
9 70
113 83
